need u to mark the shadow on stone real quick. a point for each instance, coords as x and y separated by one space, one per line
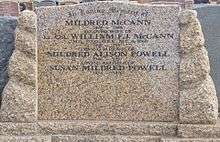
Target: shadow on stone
7 44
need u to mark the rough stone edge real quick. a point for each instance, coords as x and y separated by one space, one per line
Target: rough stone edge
104 138
189 140
14 22
25 138
10 112
88 128
194 43
109 138
18 129
199 131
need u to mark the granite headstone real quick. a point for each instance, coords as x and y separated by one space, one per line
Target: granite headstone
9 8
108 61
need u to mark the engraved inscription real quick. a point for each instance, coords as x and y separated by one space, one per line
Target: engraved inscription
108 61
101 32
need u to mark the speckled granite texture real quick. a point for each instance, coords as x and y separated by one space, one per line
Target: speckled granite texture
198 99
122 64
96 131
18 122
19 96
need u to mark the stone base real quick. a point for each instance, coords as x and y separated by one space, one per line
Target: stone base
199 131
194 74
98 138
189 140
88 128
103 131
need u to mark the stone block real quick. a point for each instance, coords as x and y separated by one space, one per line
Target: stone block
95 138
198 100
19 102
194 69
106 128
199 104
9 8
114 81
191 35
26 139
199 131
18 129
189 140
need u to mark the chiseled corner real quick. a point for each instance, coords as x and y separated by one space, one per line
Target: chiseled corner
19 96
198 100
